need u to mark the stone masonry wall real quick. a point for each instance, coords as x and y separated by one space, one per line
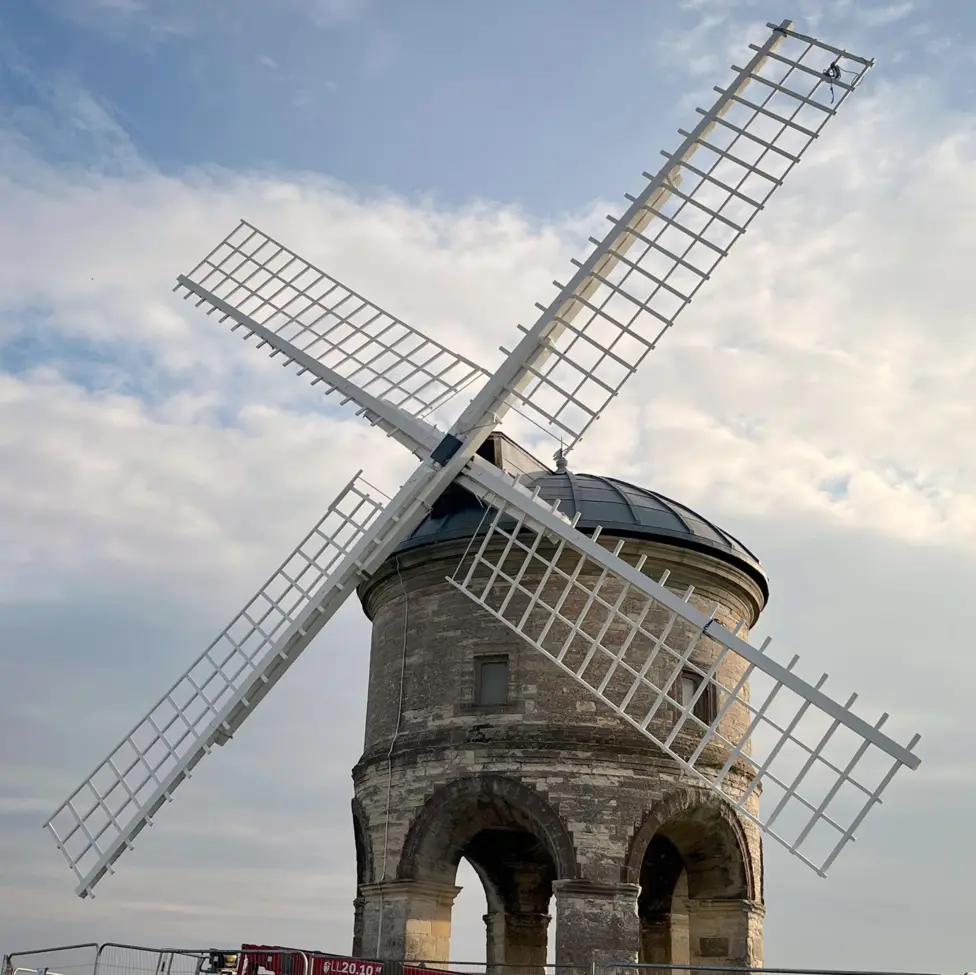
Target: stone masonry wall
600 776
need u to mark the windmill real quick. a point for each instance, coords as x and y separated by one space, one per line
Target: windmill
820 766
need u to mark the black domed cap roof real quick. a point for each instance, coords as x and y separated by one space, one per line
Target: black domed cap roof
623 510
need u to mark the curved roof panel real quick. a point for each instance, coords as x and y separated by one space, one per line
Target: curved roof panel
622 509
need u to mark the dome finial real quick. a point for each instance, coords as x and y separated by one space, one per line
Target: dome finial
560 458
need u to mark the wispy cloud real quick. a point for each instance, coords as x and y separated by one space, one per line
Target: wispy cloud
884 14
139 21
125 7
332 13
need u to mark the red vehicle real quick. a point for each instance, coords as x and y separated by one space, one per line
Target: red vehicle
276 960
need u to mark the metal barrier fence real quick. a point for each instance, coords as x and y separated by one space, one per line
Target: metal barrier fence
62 960
117 959
121 959
685 968
493 968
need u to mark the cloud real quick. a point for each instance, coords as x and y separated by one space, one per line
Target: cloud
816 402
706 37
162 469
826 328
127 7
140 22
148 25
887 14
332 13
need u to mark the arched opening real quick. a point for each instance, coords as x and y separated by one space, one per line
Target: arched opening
503 914
662 905
517 847
468 940
468 927
697 901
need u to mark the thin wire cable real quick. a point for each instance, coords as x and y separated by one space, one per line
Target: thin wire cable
389 754
486 504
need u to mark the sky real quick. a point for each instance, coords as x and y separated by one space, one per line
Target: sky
448 159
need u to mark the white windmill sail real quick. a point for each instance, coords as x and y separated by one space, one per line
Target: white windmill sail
203 708
288 302
99 820
567 367
593 335
628 640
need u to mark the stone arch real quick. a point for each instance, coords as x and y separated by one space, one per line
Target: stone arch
445 824
364 844
699 828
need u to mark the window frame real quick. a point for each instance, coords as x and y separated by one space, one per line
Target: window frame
479 663
705 707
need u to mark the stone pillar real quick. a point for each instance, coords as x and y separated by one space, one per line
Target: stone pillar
408 920
596 923
517 939
526 942
655 939
495 943
664 939
680 938
726 932
358 906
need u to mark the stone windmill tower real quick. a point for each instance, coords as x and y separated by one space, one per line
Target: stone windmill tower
477 746
559 693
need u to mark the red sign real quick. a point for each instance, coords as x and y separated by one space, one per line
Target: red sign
289 961
345 966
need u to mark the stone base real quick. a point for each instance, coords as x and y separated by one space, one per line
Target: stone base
596 923
726 932
407 919
517 943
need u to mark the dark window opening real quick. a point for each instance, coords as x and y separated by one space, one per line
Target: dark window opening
489 450
684 690
491 681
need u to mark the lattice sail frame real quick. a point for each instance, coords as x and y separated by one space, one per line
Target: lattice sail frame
274 289
637 280
629 642
97 823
